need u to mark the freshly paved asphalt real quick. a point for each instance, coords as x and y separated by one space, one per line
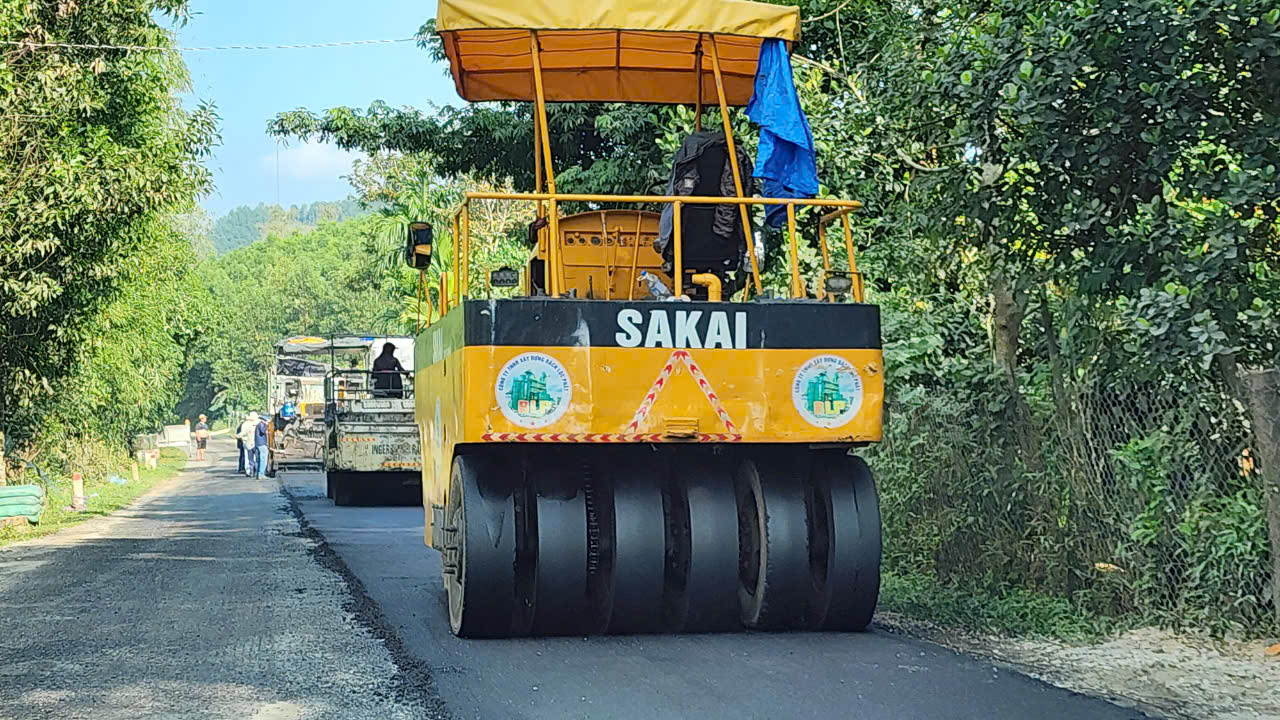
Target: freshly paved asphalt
739 675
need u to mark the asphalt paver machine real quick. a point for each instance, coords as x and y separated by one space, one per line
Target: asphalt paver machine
371 451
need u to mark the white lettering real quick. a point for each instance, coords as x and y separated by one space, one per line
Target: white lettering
634 331
718 331
659 332
687 329
629 333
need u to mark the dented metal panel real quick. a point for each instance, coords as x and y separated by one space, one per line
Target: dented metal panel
365 447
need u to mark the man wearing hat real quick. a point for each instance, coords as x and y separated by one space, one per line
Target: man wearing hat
202 436
245 435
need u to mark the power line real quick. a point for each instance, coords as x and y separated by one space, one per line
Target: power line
211 48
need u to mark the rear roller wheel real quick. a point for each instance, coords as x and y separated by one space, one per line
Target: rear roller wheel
702 546
480 547
635 599
845 559
774 556
560 597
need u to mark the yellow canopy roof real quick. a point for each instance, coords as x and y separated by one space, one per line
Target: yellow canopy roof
608 50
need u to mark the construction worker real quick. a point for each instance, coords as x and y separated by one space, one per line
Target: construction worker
260 446
245 435
386 373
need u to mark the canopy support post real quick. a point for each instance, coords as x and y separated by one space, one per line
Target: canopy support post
635 256
465 252
537 162
554 279
697 111
676 238
853 261
733 160
826 259
797 286
457 254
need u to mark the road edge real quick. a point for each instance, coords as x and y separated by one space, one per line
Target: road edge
413 676
983 649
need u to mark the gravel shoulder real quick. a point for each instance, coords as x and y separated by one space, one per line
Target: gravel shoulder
1157 671
204 599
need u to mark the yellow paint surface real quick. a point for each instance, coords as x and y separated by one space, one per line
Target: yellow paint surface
457 399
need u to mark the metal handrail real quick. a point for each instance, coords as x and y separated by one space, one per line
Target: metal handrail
555 270
367 393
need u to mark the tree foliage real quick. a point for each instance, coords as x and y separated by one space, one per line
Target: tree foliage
299 284
96 155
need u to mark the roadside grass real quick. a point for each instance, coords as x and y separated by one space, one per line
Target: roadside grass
1016 612
103 498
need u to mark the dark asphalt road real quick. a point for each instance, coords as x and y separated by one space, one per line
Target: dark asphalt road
868 676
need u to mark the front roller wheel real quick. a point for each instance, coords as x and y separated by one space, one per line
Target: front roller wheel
845 544
774 553
480 547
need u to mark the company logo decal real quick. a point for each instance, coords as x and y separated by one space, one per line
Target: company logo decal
827 391
533 390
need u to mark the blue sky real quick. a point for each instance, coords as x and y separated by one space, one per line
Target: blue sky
250 86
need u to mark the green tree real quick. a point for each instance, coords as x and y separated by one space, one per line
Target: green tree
96 154
310 284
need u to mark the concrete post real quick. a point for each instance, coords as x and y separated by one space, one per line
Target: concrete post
1264 406
135 473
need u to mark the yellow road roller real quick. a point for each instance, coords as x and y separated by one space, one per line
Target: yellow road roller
636 436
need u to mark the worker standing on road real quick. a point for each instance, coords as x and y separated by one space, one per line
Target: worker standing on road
202 436
260 446
248 459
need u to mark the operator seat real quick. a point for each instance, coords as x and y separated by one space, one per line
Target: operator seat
704 158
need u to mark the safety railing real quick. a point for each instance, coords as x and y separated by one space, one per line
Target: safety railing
461 225
344 385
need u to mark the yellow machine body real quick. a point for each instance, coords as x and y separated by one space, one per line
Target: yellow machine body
698 373
604 253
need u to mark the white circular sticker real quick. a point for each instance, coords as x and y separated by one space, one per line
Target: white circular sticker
533 390
827 391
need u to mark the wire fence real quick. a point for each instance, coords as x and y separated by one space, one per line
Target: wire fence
1138 504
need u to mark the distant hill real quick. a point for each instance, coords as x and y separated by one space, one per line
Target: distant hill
246 225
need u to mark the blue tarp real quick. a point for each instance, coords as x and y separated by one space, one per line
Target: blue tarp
785 160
